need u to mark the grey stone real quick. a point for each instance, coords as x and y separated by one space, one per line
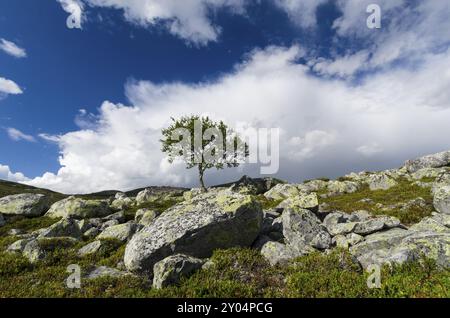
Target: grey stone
302 228
63 228
196 227
441 200
33 251
375 225
18 246
103 271
381 182
278 253
121 232
282 191
307 201
170 270
78 208
437 160
27 204
90 248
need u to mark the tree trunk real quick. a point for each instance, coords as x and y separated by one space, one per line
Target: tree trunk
202 184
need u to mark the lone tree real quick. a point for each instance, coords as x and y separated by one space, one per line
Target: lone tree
203 143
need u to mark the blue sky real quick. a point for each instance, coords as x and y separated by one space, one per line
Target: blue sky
143 56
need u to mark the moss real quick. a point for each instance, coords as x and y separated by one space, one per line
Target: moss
267 204
404 191
26 224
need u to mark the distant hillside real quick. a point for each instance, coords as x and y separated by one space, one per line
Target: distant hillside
10 188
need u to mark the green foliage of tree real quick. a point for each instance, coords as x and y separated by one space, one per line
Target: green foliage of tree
209 138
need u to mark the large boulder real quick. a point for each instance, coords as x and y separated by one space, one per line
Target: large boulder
121 232
64 228
121 202
399 246
27 204
247 185
342 187
282 191
278 253
78 208
437 160
307 201
441 200
154 194
196 227
380 182
170 270
303 230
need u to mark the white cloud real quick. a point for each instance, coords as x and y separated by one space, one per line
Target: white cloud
76 10
324 122
9 87
12 49
409 30
370 149
301 12
6 174
17 135
188 19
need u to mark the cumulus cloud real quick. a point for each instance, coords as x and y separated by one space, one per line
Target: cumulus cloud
6 174
12 49
9 87
325 123
409 30
189 20
17 135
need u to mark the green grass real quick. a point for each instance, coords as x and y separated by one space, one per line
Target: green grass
236 273
404 191
26 224
267 204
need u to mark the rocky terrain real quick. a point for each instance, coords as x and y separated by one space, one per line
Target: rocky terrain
254 237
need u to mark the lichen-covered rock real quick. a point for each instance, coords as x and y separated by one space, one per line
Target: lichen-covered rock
170 270
78 208
442 180
441 200
108 224
121 202
27 204
154 194
302 229
91 233
278 253
33 251
282 191
307 201
380 182
342 187
196 227
247 185
103 271
90 248
432 224
345 241
18 246
315 185
375 225
147 216
119 216
121 232
64 228
427 173
341 228
438 160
